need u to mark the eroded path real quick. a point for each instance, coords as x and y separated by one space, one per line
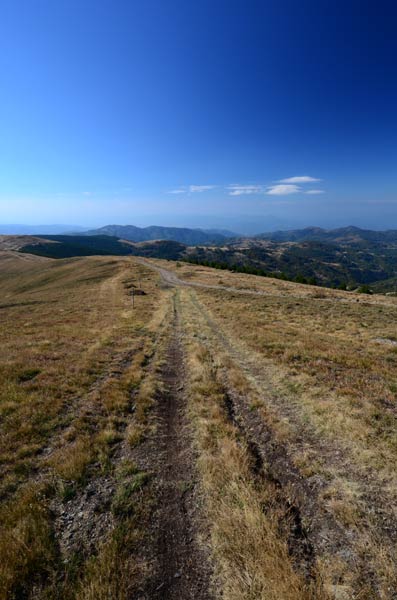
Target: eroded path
357 546
179 563
325 532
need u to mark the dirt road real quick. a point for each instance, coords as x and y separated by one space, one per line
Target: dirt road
323 534
173 280
180 567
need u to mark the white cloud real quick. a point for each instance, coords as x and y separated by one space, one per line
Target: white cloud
240 190
299 179
191 189
283 187
283 190
201 188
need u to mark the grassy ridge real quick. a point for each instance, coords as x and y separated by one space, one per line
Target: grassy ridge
66 377
289 392
346 265
65 246
318 367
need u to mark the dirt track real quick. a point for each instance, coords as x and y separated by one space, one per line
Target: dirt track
326 534
173 280
180 568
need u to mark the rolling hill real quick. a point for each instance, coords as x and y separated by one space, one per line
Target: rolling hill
190 237
346 258
66 246
222 431
344 235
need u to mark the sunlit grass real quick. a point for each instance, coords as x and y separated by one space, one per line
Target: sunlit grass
72 352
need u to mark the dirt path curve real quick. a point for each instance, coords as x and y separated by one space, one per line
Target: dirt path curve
181 568
170 278
173 280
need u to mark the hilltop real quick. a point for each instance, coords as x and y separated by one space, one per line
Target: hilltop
222 435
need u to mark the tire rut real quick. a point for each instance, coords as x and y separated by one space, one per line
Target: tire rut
180 568
325 534
266 469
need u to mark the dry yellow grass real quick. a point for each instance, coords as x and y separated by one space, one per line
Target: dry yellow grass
327 357
80 371
321 373
27 548
251 555
73 352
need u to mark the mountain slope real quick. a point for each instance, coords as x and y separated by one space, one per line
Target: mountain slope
347 257
66 246
190 237
343 235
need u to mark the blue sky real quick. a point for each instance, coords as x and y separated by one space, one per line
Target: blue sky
211 113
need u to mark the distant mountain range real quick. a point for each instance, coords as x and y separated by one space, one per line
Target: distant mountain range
347 257
190 237
345 235
194 237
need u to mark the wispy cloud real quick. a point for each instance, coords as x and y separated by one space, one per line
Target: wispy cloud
201 188
299 179
282 187
283 190
293 185
240 190
192 189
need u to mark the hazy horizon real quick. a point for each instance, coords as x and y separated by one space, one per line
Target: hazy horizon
244 229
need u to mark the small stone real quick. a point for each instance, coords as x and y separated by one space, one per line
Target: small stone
339 592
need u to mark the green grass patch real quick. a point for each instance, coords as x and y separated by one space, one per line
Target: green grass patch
124 499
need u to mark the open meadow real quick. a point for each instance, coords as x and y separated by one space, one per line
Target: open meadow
171 431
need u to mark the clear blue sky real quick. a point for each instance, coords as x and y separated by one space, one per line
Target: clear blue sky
198 113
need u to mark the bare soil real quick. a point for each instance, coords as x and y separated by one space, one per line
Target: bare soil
177 553
82 522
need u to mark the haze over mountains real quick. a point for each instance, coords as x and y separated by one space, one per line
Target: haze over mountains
184 235
350 234
194 236
23 229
